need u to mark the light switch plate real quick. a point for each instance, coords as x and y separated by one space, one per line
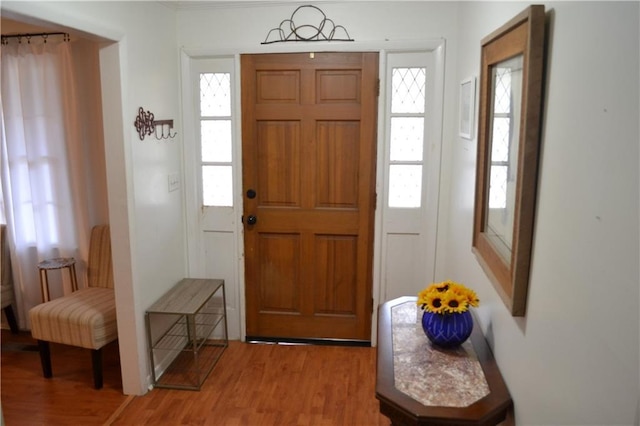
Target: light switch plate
174 182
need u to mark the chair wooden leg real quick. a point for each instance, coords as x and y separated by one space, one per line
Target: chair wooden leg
11 319
96 361
45 358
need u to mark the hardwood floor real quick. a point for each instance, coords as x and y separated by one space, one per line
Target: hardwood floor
66 399
251 385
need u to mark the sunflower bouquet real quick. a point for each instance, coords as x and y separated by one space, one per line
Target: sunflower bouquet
447 297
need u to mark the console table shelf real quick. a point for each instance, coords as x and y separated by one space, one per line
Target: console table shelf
409 382
187 332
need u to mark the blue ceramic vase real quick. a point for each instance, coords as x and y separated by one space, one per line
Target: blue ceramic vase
447 330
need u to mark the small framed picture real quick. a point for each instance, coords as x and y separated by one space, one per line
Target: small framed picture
467 106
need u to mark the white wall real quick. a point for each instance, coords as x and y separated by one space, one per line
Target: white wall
573 360
147 223
224 26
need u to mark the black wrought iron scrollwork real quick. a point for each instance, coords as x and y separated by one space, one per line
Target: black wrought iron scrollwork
318 28
146 125
29 36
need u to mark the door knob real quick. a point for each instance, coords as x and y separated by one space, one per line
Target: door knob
251 220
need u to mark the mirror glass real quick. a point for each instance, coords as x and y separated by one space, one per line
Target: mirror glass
504 122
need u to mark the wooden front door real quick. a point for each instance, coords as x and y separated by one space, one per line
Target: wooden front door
308 159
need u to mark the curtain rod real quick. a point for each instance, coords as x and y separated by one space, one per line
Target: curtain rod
28 36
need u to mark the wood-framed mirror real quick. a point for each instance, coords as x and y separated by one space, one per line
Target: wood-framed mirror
511 82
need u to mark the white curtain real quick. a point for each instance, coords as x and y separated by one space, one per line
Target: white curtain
45 175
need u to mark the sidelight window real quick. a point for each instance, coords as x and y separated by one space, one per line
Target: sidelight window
216 139
406 137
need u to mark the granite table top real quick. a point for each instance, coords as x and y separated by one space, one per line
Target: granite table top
431 375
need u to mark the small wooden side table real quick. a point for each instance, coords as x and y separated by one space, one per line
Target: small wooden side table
56 263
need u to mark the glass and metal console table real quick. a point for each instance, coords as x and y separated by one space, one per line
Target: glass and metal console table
420 384
187 333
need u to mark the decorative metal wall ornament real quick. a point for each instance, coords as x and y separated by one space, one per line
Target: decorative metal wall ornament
146 125
317 28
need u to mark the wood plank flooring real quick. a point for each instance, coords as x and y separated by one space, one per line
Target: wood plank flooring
251 385
68 398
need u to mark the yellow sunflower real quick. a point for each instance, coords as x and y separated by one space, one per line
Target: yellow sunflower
447 297
422 298
434 303
440 287
472 298
455 302
456 288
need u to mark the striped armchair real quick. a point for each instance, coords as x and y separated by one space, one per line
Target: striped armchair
85 318
6 284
